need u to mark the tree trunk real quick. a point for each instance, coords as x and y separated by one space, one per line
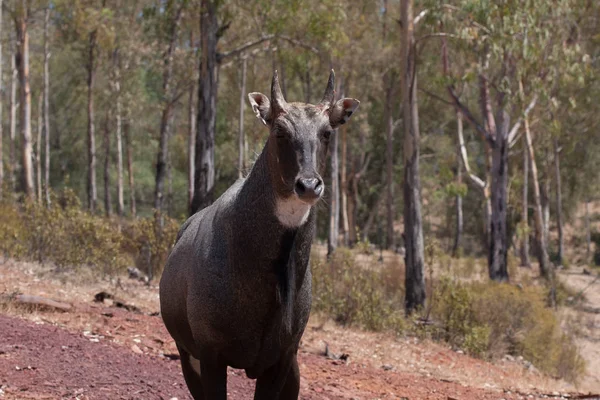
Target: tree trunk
241 137
129 151
588 232
540 238
116 89
25 94
334 206
525 212
373 213
459 217
192 125
13 120
459 200
307 85
119 137
107 194
47 107
389 162
497 255
352 211
38 150
92 193
161 162
165 121
344 187
1 108
170 185
545 209
413 232
559 219
207 108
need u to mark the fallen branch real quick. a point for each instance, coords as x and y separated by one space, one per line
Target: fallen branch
590 310
101 296
42 301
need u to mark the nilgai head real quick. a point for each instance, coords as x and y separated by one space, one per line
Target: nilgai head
297 146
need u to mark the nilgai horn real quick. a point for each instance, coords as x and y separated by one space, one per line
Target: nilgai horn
236 290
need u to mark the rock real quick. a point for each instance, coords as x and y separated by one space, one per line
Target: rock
136 349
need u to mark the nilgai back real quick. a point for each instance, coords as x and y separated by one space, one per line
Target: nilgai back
236 290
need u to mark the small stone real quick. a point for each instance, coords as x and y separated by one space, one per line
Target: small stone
136 349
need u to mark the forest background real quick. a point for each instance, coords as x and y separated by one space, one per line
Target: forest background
475 138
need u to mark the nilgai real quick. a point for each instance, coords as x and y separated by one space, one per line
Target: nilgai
236 290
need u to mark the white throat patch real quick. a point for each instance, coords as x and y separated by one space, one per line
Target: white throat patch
292 212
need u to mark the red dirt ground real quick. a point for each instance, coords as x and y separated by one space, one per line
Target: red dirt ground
41 361
96 351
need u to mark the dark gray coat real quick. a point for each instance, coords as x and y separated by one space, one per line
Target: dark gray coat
236 290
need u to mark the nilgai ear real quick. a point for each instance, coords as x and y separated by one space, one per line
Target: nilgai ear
342 111
260 105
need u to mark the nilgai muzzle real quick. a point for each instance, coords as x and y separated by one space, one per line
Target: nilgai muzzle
236 290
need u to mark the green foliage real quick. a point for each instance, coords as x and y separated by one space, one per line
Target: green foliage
485 319
352 294
494 319
62 234
453 307
150 244
68 237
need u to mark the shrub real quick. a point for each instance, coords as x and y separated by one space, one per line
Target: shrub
11 231
149 244
452 306
364 296
494 319
67 236
485 319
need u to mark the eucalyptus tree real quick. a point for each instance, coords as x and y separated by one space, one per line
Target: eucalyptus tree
173 12
500 43
413 225
20 13
86 25
1 108
46 111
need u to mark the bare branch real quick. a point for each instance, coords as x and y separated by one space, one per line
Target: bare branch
512 135
486 108
437 35
435 96
363 168
228 54
249 54
419 17
467 113
463 154
456 101
299 43
242 48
